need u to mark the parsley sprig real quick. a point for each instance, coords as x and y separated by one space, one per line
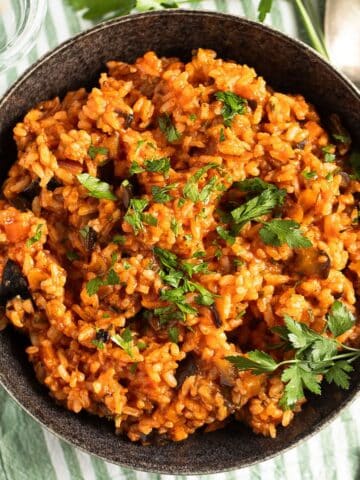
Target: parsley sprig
155 165
177 275
315 355
191 189
136 217
168 128
232 105
96 187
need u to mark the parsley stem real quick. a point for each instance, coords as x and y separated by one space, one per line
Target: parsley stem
310 29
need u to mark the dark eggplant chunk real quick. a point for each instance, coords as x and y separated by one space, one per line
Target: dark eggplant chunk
125 193
13 283
345 181
128 119
89 237
215 316
53 184
154 438
20 203
106 172
311 262
102 335
31 191
186 368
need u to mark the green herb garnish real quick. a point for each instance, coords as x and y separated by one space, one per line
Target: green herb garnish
355 163
278 232
232 105
96 187
71 256
222 137
93 151
315 355
36 237
308 174
226 235
168 129
329 157
124 341
161 194
158 165
191 188
119 239
175 227
173 333
134 215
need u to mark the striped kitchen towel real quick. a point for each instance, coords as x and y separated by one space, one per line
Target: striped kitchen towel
29 452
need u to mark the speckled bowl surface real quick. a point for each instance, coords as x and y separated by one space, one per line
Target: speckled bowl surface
286 65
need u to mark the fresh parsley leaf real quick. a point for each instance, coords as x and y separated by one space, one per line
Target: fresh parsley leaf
254 185
142 345
258 206
167 259
297 378
161 194
174 334
222 137
232 105
329 156
308 174
135 168
192 117
133 216
199 254
93 151
158 165
299 334
112 278
225 235
168 129
338 373
93 285
119 239
36 237
257 361
95 10
191 188
98 344
174 225
124 341
340 319
343 138
96 187
278 232
263 9
149 219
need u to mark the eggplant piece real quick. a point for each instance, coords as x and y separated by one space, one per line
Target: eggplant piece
106 172
344 182
102 335
13 283
125 193
154 438
187 367
31 191
53 184
89 237
312 262
215 316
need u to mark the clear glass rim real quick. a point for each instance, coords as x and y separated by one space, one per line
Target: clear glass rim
29 25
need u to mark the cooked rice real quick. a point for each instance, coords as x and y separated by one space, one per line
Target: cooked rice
277 138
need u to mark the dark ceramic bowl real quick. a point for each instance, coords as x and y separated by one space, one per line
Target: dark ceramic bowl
287 65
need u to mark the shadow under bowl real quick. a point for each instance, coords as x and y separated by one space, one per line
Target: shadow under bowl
288 66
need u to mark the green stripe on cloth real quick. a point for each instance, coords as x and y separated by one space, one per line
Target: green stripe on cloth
22 447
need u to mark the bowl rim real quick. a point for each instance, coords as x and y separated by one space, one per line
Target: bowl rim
324 421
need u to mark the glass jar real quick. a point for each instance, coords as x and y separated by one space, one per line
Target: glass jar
20 22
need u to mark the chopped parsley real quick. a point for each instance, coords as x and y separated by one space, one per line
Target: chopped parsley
222 137
135 168
175 227
158 165
232 105
343 138
161 194
173 333
308 174
119 239
315 356
36 237
258 206
124 341
192 117
93 151
278 232
168 129
329 156
96 187
191 188
135 216
225 235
